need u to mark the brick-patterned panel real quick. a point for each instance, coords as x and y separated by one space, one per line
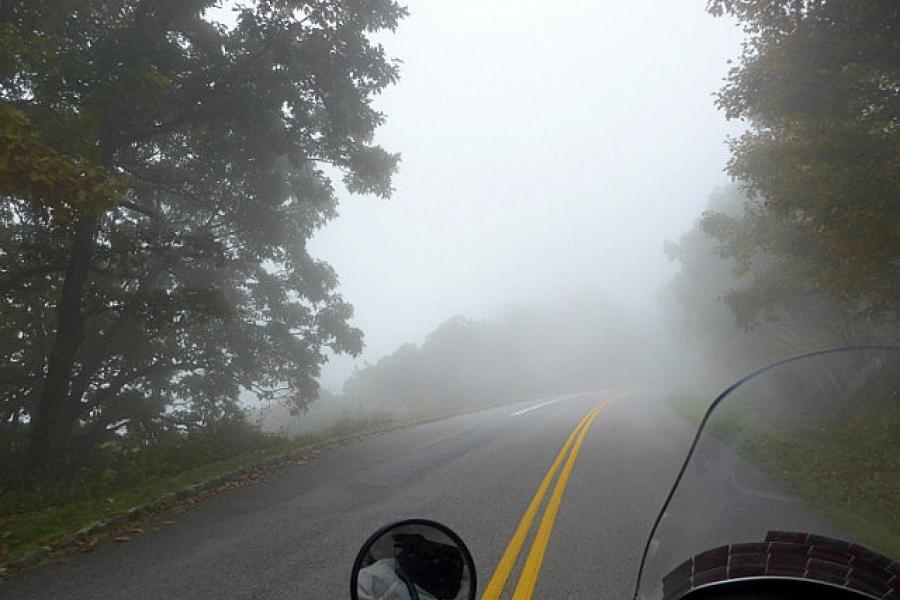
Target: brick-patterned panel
790 554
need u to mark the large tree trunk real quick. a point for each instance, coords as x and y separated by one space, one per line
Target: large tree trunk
47 439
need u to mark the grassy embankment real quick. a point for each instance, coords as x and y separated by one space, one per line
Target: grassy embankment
849 471
34 518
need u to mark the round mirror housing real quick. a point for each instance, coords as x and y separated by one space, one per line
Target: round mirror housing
416 559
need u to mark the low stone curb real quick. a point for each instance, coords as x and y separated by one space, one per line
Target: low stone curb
170 499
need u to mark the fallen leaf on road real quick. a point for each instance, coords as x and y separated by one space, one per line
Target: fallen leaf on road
121 538
88 546
168 522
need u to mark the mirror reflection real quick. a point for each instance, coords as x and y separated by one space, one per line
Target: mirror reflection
414 561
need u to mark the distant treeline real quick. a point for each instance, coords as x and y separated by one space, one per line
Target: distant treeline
527 351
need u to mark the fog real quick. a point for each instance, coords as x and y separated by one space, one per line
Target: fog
237 234
548 150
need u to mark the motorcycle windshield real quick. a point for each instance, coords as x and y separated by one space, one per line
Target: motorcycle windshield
795 472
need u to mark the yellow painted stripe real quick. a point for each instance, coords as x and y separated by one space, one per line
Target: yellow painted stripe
529 576
508 560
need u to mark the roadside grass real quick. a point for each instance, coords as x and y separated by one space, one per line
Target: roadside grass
47 522
28 524
691 407
848 471
25 531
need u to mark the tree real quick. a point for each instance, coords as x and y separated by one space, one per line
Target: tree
183 277
735 315
819 82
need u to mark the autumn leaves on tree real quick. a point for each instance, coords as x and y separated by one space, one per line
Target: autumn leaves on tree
161 174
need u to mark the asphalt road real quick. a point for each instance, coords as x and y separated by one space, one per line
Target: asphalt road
296 535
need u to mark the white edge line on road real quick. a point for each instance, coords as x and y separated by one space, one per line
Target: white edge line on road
519 413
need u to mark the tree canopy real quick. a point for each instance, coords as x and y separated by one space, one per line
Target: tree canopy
819 83
736 316
162 269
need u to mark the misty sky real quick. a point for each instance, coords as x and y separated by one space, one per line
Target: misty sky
548 148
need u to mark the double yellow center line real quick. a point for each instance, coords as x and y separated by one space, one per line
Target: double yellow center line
529 575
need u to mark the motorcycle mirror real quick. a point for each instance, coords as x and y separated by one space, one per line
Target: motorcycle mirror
416 559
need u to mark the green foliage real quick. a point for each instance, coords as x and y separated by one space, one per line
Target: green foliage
38 516
849 470
737 312
129 462
59 186
34 517
818 82
825 428
156 311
